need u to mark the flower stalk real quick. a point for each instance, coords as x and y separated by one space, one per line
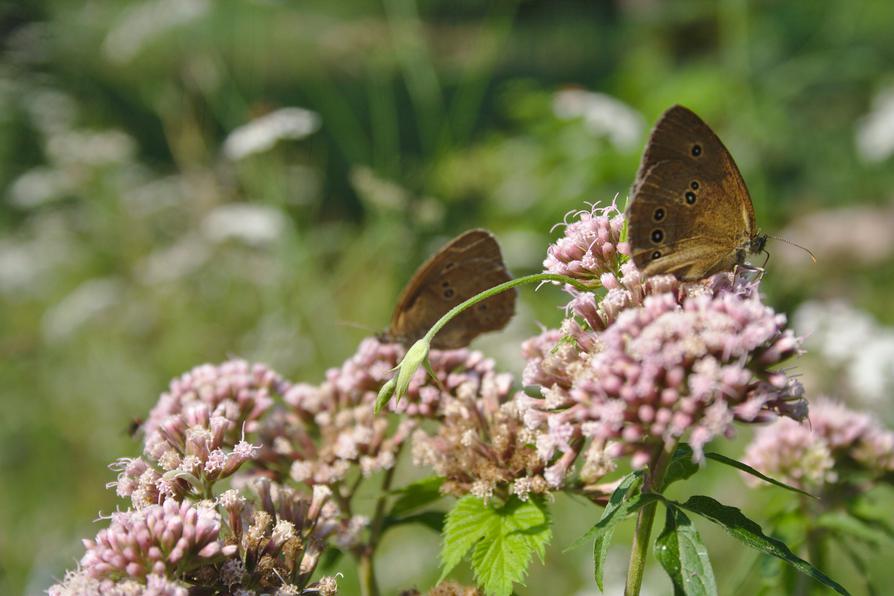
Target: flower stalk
417 354
645 518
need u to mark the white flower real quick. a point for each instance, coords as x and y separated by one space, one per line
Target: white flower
834 328
90 147
255 225
145 22
87 301
40 185
875 131
852 339
602 114
871 373
262 134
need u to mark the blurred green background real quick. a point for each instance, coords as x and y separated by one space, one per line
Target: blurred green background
143 231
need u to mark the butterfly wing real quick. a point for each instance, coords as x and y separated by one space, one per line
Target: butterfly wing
691 213
467 265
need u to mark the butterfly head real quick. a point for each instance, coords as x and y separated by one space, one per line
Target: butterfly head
757 243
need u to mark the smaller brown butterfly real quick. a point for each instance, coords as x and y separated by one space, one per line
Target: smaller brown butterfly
691 214
467 265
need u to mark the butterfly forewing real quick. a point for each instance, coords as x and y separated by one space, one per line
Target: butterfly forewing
467 265
691 214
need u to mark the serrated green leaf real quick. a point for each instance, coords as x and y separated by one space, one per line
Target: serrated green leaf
749 532
417 494
502 557
680 467
502 540
466 524
683 555
749 470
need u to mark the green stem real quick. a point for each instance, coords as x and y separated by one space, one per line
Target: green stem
369 586
367 575
644 519
815 542
527 279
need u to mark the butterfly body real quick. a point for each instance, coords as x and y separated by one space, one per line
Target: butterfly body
691 214
467 265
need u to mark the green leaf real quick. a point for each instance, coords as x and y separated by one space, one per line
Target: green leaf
681 466
748 532
604 529
417 494
533 391
430 519
749 470
860 565
467 523
615 501
843 524
683 555
502 540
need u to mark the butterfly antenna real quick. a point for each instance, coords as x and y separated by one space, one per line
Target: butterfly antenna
807 250
355 325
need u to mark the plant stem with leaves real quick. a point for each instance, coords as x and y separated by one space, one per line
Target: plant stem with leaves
645 518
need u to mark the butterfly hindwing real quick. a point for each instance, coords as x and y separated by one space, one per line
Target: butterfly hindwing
690 214
466 266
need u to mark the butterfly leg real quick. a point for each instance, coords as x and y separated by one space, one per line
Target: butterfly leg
746 274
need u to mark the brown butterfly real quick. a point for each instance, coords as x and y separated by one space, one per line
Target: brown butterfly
691 214
465 266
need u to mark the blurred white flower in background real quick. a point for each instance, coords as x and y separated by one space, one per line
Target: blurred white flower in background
90 147
83 304
39 186
875 131
830 235
50 110
850 338
147 21
174 262
255 225
261 134
30 258
602 115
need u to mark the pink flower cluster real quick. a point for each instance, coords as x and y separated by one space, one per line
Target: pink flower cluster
652 362
184 456
154 540
590 246
340 410
482 448
246 423
271 544
236 389
838 450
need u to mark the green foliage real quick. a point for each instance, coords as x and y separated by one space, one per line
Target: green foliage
749 470
417 494
749 533
436 117
684 556
620 506
501 539
681 466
